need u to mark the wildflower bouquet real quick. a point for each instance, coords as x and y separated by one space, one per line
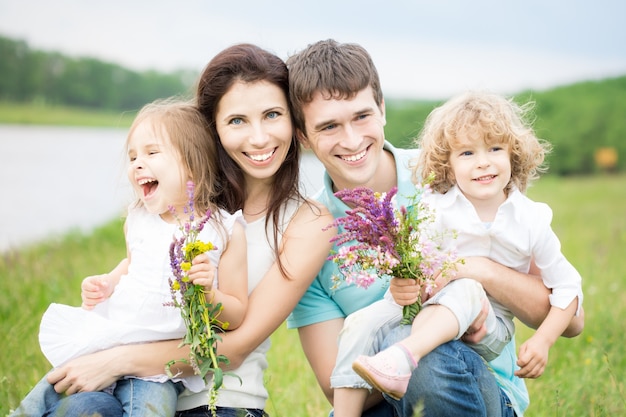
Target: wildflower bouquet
380 241
200 316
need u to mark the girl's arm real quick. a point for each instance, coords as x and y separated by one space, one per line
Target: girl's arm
97 288
232 288
305 248
533 353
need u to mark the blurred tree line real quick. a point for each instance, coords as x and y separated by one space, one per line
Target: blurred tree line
28 75
585 122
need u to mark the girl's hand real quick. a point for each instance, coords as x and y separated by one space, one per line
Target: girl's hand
478 329
94 290
202 272
533 357
404 290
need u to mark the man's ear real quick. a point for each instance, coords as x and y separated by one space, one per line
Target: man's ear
382 111
302 139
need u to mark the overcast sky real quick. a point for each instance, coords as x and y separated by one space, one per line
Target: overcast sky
422 49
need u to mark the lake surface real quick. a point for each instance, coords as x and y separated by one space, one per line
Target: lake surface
56 179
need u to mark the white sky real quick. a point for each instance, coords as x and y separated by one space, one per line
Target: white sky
423 49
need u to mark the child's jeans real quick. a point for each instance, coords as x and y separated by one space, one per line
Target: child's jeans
364 330
131 398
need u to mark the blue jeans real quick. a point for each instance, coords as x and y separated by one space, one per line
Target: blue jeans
223 412
131 398
452 380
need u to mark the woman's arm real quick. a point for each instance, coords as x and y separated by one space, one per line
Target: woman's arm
96 371
306 246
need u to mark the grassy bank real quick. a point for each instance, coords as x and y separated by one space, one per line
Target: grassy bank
42 114
585 375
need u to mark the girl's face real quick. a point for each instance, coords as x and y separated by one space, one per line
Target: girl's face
254 126
482 171
155 171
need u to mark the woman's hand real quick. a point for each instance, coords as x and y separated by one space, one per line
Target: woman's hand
87 373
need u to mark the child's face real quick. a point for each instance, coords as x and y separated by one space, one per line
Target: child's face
482 171
155 170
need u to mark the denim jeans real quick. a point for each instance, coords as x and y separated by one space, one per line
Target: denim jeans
222 412
131 398
452 380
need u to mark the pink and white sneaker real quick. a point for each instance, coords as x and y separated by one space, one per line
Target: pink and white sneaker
381 372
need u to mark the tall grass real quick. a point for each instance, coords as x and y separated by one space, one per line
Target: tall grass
585 375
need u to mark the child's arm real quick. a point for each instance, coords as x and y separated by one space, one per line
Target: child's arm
232 290
97 288
533 354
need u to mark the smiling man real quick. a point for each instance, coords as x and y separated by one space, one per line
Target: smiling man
339 114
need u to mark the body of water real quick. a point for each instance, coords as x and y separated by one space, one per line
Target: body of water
55 179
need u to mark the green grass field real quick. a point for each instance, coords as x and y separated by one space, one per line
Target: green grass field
42 114
585 375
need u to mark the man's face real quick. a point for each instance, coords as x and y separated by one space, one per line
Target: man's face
347 136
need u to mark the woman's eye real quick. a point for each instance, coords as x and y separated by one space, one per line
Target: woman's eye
236 121
272 115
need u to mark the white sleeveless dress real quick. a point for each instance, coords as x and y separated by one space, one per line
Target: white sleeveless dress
138 311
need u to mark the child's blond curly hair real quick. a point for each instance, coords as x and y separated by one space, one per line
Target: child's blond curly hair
479 116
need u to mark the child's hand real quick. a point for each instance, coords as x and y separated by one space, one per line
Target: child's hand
533 357
478 329
202 272
404 290
94 290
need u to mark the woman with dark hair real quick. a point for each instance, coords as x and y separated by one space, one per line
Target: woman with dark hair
243 93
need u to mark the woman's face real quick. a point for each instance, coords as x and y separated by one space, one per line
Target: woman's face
254 126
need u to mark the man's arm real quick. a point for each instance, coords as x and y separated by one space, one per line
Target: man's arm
524 294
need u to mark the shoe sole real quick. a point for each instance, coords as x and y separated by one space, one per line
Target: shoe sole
365 374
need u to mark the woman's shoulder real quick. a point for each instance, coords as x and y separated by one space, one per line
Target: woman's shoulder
310 215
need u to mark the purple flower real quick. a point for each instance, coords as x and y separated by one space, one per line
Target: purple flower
378 240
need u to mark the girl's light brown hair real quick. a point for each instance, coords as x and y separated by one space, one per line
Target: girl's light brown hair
188 132
480 116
